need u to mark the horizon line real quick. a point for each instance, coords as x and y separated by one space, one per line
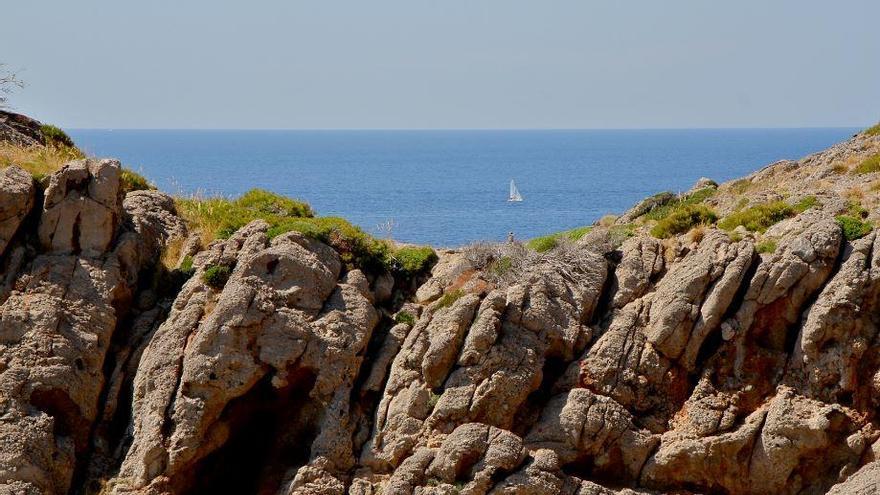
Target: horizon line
459 129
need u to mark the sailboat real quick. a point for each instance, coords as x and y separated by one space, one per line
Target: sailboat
515 196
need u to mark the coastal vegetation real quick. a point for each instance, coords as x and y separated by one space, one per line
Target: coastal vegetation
547 242
760 217
683 218
868 165
219 217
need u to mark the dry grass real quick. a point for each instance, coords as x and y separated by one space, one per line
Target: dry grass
39 161
855 194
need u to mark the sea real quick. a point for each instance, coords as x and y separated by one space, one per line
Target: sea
450 188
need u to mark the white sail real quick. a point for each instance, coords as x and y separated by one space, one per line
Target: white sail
514 192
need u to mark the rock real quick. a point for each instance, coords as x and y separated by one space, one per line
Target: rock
20 130
82 208
865 482
57 324
16 200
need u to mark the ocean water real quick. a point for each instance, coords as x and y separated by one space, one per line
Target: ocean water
448 188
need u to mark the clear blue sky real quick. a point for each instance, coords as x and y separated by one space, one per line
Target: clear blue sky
445 63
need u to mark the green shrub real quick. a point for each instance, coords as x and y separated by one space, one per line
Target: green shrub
216 275
548 242
54 136
873 130
413 260
768 246
692 199
449 298
868 165
806 203
759 217
542 244
220 217
133 181
683 219
405 317
186 266
356 248
853 227
265 202
433 398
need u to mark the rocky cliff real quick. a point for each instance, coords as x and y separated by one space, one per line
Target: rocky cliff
623 363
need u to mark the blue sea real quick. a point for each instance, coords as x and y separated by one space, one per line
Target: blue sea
449 188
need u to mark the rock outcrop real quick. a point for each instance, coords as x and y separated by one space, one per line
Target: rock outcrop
622 364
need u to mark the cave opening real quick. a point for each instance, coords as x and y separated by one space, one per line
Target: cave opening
271 432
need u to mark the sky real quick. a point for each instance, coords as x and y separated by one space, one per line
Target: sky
447 64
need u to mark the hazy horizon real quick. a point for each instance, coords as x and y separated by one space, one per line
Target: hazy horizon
458 65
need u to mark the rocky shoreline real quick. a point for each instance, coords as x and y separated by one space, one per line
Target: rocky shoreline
617 364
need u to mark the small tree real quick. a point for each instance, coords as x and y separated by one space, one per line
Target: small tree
9 81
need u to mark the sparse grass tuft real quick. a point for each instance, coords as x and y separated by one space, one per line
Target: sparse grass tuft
873 130
501 266
759 217
449 298
405 317
767 246
853 227
683 219
868 165
216 276
741 186
840 168
39 161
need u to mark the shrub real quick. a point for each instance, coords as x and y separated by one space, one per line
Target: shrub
269 203
853 227
692 199
840 168
542 244
548 242
220 217
405 317
412 260
873 130
133 181
759 217
54 136
868 165
356 248
768 246
186 265
449 298
216 275
806 203
682 220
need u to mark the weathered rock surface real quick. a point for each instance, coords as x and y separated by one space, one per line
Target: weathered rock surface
16 200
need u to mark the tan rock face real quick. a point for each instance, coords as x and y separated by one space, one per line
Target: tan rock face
16 200
56 327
